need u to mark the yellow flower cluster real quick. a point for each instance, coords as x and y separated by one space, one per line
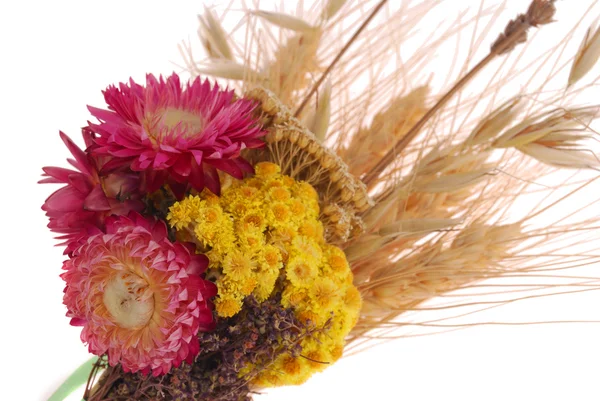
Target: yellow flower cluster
262 235
319 288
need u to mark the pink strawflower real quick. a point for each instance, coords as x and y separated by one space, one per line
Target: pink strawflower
176 135
138 296
81 206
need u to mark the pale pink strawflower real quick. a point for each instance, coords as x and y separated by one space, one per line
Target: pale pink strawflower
86 199
176 135
139 297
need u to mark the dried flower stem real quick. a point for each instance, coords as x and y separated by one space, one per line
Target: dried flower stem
540 12
338 57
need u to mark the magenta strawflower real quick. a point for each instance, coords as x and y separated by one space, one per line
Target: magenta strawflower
139 297
176 135
83 203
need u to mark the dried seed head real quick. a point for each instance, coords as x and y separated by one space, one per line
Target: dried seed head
285 21
315 149
227 69
292 135
555 138
318 120
273 135
336 175
292 65
454 182
347 194
389 125
213 36
327 161
332 7
491 125
514 34
304 141
587 55
364 247
565 158
540 12
416 227
435 269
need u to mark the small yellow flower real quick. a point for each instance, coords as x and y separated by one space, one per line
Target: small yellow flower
293 297
227 306
283 235
265 285
253 220
251 241
248 286
291 365
310 316
178 216
297 207
211 214
238 209
248 192
352 298
273 183
317 359
288 181
266 169
279 193
306 191
210 198
281 213
337 352
238 265
271 256
325 293
301 272
312 229
308 248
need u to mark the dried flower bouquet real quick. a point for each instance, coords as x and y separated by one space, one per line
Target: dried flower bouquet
232 235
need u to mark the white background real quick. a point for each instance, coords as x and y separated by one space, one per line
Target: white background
56 56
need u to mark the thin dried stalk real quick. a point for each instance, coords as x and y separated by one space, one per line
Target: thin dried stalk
293 65
540 12
317 84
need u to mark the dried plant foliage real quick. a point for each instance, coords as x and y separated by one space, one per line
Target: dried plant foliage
449 178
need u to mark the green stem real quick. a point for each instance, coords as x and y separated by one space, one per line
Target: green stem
73 382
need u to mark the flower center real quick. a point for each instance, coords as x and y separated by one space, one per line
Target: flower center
172 117
129 300
186 123
172 122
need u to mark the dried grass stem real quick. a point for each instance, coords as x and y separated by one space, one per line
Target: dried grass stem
337 58
539 12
